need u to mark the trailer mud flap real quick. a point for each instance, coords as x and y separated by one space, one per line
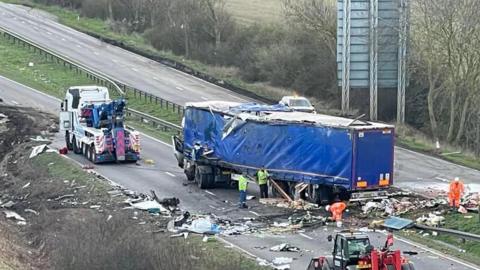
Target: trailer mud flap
120 144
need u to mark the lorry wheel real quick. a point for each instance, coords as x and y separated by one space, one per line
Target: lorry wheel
202 179
93 155
190 173
76 149
68 143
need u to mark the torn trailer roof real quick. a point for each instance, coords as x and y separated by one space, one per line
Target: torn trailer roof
279 113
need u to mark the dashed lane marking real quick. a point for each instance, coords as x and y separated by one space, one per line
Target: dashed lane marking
171 174
211 193
306 236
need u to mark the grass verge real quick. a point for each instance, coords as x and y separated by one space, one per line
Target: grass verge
31 69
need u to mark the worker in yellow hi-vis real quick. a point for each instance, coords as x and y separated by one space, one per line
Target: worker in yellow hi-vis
242 188
262 178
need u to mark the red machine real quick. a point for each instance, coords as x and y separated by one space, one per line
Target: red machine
354 251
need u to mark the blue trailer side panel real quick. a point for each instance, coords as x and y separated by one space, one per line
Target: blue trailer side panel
373 157
294 152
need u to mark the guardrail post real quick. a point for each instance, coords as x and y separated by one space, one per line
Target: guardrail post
150 98
166 103
156 100
161 103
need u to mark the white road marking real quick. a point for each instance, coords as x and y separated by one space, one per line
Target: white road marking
213 207
115 60
134 69
306 236
211 193
63 39
442 179
36 28
171 174
255 213
49 33
155 78
96 53
79 46
179 88
14 102
204 98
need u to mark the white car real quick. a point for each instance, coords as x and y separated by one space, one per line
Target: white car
296 103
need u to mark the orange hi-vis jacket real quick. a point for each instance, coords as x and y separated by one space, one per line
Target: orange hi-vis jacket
337 210
456 189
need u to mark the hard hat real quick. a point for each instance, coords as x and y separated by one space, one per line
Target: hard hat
457 179
327 208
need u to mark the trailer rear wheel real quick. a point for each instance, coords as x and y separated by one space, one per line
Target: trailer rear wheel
321 195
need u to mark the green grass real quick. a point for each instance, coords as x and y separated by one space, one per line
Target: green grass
251 11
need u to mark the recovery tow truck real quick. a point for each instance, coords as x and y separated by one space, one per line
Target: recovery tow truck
352 250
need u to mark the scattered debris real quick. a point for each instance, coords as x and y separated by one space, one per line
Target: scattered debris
282 260
13 215
64 197
250 197
285 248
462 210
39 139
282 203
431 220
202 226
151 206
26 185
31 211
8 204
37 150
397 223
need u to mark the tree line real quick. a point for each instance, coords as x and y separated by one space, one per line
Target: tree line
299 52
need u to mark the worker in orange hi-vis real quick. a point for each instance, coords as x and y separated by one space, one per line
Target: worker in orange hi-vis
455 192
337 209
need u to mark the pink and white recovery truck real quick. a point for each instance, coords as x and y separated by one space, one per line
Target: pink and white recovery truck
94 126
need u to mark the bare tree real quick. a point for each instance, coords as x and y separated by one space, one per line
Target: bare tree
218 17
317 15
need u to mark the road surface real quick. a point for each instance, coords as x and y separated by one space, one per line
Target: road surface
167 180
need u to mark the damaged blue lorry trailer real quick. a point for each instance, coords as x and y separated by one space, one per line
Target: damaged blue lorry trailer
336 157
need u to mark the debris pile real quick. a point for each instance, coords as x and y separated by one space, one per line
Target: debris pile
395 207
280 263
298 204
